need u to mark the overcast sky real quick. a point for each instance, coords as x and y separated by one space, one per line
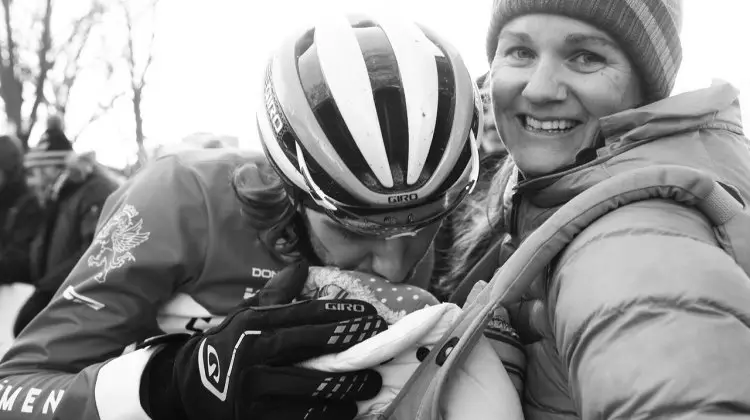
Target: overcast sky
210 58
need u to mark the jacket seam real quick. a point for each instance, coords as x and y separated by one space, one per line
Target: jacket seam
575 252
598 318
209 240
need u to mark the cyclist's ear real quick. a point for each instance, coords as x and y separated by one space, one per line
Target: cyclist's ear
284 287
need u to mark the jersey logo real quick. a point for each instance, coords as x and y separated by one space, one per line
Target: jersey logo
249 292
262 273
116 241
73 296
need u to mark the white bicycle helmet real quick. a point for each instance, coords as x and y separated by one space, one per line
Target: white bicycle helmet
375 119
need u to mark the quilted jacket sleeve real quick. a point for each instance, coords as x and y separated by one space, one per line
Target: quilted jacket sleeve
652 318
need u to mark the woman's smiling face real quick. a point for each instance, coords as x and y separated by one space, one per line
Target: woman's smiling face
552 79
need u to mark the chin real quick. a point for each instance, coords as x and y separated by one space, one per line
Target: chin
532 167
537 156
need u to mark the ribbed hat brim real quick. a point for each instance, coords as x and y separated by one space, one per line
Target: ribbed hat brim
37 158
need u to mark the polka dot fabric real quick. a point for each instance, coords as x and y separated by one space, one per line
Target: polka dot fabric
393 301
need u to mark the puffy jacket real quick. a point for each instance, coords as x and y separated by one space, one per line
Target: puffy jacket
71 216
643 315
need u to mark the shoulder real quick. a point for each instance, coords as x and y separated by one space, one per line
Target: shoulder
654 253
643 224
209 167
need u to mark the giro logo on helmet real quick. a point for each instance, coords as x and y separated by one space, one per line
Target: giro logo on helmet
273 109
402 198
351 307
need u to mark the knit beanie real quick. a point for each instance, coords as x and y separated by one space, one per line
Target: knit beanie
53 149
647 30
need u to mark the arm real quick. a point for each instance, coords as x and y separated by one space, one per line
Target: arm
65 364
651 318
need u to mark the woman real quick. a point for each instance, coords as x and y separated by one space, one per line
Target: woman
643 315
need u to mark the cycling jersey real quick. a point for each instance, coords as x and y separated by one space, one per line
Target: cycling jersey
172 253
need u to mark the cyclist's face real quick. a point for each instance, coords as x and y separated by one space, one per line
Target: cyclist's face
393 259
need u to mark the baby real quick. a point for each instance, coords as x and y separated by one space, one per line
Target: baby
417 321
392 301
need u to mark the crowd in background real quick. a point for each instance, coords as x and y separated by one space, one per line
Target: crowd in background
51 198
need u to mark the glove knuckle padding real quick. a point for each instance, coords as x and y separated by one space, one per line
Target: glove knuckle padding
251 356
292 381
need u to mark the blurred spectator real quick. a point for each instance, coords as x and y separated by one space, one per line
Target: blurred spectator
20 213
491 143
72 188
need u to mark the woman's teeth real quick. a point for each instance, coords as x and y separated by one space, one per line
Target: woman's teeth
553 126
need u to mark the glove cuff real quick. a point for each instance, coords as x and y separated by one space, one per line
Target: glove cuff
159 395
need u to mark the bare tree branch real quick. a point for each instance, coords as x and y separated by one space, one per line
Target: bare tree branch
9 35
150 58
129 50
44 65
11 88
137 81
102 111
82 26
73 66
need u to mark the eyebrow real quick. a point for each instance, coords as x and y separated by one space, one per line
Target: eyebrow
581 38
572 39
519 36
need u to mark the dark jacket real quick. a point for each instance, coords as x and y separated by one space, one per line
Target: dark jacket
20 215
67 231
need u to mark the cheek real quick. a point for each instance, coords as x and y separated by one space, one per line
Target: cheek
608 92
339 251
506 85
418 246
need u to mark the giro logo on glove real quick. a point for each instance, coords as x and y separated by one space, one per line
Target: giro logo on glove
210 368
248 366
351 307
343 333
212 361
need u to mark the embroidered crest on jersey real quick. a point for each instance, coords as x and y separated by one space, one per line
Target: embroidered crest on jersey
114 244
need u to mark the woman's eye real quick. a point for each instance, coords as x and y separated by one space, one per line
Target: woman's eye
519 53
588 60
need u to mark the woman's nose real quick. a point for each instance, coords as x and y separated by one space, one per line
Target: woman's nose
544 84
